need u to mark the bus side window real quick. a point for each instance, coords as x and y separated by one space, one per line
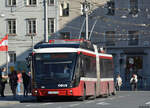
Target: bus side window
77 73
82 66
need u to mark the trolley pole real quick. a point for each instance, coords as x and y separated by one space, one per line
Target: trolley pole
45 21
87 31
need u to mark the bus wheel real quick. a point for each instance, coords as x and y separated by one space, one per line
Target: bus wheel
94 96
107 92
82 98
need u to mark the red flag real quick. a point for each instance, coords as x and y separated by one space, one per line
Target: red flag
4 44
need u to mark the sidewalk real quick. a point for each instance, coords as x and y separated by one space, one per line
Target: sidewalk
19 98
8 89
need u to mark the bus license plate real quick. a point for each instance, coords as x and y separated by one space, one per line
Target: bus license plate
52 92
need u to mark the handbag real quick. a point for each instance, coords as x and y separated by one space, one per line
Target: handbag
4 80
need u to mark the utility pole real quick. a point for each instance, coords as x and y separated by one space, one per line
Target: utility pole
86 8
45 21
32 37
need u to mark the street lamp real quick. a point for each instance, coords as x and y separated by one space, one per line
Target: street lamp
2 15
45 21
32 37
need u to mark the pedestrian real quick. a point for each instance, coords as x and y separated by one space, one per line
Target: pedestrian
118 82
29 85
66 69
133 82
19 75
3 81
13 82
26 80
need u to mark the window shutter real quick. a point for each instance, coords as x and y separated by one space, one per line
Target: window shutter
27 2
61 10
64 5
81 9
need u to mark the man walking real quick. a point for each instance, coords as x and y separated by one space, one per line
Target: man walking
26 81
3 81
13 82
133 82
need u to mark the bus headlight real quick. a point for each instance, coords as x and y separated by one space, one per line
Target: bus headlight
35 92
71 91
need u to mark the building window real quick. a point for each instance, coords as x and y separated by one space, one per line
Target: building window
65 35
31 26
51 25
133 38
133 7
110 38
12 56
111 7
11 26
31 2
50 2
64 9
11 2
83 35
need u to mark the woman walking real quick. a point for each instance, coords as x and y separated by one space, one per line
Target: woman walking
19 75
118 82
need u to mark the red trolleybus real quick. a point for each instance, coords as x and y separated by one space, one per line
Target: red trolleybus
71 69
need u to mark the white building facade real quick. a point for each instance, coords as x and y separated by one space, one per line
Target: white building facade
22 20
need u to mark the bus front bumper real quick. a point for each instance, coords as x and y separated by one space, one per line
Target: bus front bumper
52 92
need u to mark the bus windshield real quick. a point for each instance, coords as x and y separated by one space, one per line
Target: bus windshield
54 66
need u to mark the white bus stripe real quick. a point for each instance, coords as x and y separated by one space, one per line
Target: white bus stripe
55 50
95 79
65 50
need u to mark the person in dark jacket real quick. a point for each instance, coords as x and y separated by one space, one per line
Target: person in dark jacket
26 81
13 82
3 81
0 80
29 85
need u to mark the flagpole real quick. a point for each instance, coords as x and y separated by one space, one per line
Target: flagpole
7 60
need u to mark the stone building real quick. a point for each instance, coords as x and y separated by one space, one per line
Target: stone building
23 21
